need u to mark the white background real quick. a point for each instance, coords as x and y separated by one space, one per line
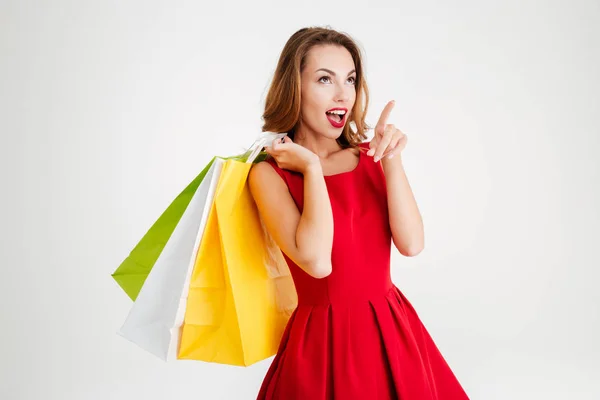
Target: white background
109 108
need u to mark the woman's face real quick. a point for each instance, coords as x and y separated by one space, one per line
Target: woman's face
328 82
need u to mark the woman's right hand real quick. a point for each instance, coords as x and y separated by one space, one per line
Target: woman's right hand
292 156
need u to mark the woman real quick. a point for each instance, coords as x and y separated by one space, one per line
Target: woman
334 205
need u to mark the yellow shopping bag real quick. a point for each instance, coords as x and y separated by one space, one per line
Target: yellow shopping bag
241 293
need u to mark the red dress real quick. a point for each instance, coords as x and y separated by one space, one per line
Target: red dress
354 335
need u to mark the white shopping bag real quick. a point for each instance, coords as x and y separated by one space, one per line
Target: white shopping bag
157 314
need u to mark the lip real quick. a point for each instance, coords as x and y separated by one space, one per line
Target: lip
338 108
336 124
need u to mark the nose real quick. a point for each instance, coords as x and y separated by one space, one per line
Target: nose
342 94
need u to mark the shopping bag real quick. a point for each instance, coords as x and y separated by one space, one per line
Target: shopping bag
157 314
241 293
134 270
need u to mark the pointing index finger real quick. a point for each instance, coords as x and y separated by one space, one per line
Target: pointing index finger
384 116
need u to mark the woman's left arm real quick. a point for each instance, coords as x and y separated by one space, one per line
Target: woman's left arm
405 219
406 222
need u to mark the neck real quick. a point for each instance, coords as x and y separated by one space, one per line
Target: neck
315 142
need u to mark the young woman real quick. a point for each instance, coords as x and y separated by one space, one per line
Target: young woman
335 205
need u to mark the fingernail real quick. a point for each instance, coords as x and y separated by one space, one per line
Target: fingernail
376 158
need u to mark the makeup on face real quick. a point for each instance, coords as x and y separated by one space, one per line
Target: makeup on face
329 89
337 116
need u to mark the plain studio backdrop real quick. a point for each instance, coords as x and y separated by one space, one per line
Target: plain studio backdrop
109 109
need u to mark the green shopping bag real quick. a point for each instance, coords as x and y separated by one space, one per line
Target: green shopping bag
134 270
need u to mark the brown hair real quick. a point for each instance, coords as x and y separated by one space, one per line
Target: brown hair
282 104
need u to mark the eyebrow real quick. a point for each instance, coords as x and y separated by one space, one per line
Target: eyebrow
333 73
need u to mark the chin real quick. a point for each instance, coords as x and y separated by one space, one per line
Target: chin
328 131
333 133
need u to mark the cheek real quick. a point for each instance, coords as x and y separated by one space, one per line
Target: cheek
352 94
312 105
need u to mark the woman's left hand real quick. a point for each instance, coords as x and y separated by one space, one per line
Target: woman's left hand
388 139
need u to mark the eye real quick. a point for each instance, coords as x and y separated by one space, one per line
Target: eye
352 78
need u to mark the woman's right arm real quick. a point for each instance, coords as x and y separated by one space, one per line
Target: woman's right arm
307 237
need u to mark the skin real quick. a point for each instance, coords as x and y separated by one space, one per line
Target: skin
406 222
307 237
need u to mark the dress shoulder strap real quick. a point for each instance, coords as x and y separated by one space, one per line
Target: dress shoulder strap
364 146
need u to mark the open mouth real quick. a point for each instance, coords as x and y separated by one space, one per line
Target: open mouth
336 116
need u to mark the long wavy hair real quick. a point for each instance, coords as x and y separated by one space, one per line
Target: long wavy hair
282 104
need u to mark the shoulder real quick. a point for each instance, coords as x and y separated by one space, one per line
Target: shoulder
268 185
265 172
263 169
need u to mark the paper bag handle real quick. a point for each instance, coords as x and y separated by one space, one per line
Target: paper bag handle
259 144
